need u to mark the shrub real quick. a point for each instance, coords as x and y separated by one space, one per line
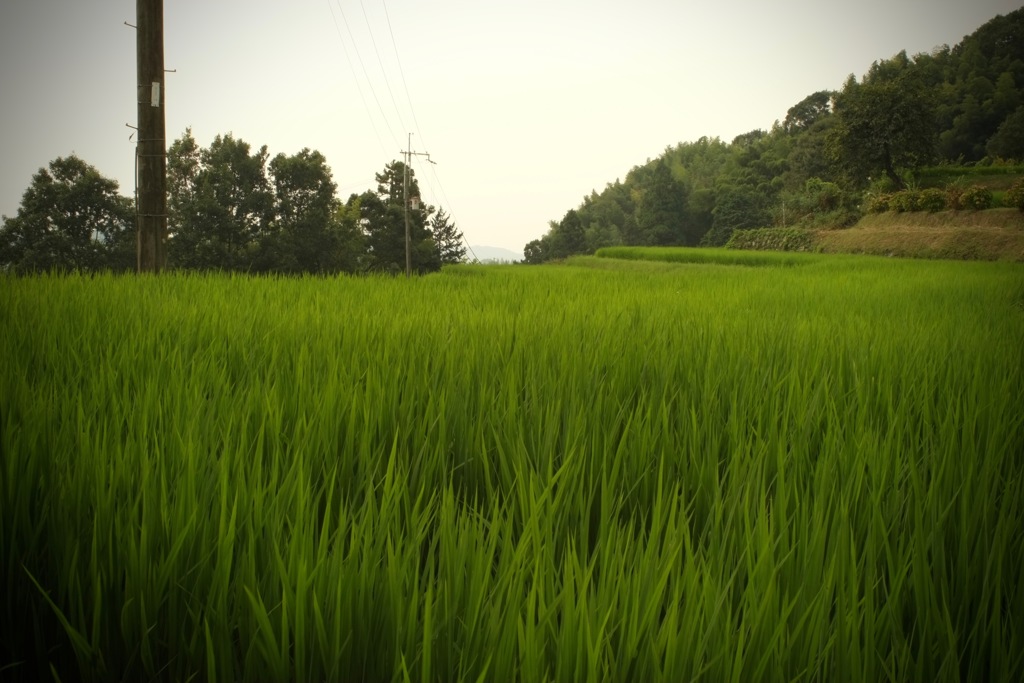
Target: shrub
840 218
822 196
905 200
955 197
772 239
933 199
1015 195
878 203
976 198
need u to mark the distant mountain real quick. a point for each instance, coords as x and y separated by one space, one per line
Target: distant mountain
494 254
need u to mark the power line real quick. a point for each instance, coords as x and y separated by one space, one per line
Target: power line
369 83
401 72
451 212
409 154
355 77
412 110
383 71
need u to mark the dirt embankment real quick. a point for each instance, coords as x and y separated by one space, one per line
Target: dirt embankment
993 235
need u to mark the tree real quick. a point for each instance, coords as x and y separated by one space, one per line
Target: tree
70 218
303 237
883 124
569 235
534 252
450 243
808 111
808 157
661 209
221 204
602 218
383 219
1008 142
600 234
738 207
349 255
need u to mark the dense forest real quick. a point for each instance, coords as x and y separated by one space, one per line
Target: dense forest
960 106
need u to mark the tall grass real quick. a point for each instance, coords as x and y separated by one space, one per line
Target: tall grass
560 473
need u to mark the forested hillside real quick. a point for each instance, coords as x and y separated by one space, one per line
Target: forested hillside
961 106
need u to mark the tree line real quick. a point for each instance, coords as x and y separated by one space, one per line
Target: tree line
960 106
230 208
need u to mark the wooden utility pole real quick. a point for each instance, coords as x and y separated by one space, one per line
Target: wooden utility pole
408 154
151 150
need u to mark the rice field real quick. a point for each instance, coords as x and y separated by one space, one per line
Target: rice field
719 255
601 471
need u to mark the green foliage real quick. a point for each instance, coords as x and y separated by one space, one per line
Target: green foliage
737 208
982 78
931 199
70 219
600 234
1008 140
809 111
990 172
231 209
883 124
221 204
878 202
448 238
383 216
906 113
718 256
822 196
604 216
772 239
955 196
570 237
1014 197
905 200
303 237
660 209
535 252
976 198
690 472
818 204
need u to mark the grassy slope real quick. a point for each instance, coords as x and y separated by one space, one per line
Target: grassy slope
994 235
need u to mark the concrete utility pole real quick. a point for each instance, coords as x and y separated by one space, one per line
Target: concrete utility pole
408 154
151 150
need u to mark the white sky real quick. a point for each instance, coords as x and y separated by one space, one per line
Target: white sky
526 106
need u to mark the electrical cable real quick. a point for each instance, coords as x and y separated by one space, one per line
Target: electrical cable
401 72
355 77
369 83
380 62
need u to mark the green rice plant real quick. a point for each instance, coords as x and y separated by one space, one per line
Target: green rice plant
721 256
606 470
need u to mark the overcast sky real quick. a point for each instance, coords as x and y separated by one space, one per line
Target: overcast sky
526 106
